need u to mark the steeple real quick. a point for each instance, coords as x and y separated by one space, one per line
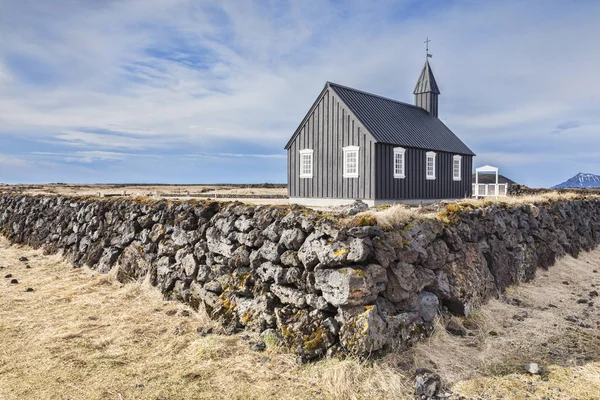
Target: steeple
426 92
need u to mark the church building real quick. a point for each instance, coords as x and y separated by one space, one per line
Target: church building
357 145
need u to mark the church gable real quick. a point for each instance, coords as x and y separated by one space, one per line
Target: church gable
329 128
326 97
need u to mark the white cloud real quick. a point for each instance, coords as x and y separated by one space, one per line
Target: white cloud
8 161
194 74
86 156
236 155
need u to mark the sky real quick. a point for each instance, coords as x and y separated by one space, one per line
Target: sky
202 91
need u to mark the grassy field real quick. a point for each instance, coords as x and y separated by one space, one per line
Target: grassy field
80 335
158 191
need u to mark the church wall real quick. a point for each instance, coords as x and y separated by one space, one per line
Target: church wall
415 185
329 128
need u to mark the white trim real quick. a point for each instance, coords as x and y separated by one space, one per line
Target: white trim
348 150
327 202
303 153
330 202
489 189
412 202
399 151
487 168
459 159
430 154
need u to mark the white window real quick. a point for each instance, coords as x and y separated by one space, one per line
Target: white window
350 162
456 167
306 163
430 166
399 162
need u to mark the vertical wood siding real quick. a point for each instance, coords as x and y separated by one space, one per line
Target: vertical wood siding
415 185
329 128
427 101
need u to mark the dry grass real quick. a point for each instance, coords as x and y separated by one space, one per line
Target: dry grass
81 335
174 191
400 214
558 383
500 345
531 199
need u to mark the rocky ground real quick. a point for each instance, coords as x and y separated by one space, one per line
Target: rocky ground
75 334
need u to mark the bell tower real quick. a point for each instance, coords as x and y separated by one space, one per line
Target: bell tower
426 92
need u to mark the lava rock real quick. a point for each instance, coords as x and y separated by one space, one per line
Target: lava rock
14 281
513 301
202 332
593 293
23 259
428 306
427 383
7 276
455 327
582 301
29 290
258 346
521 316
351 286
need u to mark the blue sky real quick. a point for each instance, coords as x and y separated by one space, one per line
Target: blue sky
192 91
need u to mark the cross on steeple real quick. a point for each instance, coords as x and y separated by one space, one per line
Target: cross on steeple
426 91
427 48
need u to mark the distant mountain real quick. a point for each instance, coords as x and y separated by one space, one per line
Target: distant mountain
580 180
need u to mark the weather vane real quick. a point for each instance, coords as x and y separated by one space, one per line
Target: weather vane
427 48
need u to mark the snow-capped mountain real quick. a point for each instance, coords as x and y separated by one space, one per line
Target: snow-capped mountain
580 180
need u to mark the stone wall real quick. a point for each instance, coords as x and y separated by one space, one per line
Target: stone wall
322 283
521 190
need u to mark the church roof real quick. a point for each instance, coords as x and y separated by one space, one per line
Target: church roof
401 124
426 82
489 178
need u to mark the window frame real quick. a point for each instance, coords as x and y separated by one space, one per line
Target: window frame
428 155
402 152
346 152
303 153
458 158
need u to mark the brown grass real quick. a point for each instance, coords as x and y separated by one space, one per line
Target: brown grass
529 199
81 335
401 214
558 383
183 192
501 345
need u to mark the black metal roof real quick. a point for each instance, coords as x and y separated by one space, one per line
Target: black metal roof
397 123
426 82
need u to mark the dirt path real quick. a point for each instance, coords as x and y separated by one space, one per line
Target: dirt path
80 335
